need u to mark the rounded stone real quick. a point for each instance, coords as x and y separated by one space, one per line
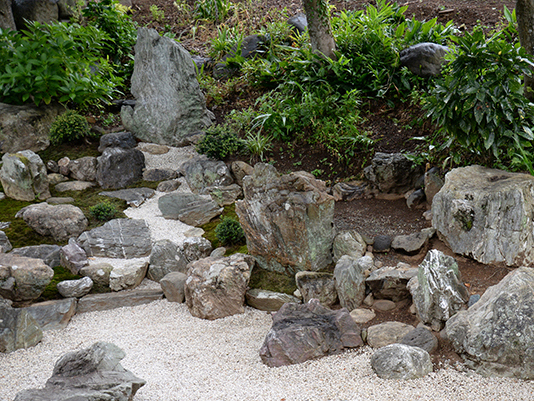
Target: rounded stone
384 305
382 243
422 338
361 315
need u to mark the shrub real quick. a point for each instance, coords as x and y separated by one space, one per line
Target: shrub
103 211
229 232
68 127
220 141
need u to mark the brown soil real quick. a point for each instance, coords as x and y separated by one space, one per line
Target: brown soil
392 125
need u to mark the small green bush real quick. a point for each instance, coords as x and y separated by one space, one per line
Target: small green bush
229 232
220 141
68 127
103 211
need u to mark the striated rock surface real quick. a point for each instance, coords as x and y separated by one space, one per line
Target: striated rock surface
349 281
191 209
23 176
317 285
400 361
18 329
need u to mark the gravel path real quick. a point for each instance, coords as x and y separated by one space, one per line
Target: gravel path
186 358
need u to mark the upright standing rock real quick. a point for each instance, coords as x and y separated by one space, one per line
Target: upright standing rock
170 106
349 279
23 176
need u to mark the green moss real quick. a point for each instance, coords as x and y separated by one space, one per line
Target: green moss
51 292
272 281
73 150
210 235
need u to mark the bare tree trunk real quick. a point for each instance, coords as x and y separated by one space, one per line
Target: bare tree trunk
318 16
525 26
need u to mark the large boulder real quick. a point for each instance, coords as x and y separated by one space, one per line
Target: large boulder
487 214
61 222
216 287
119 168
309 331
392 172
495 335
23 176
119 238
25 127
18 329
23 279
401 361
438 291
288 220
42 11
170 106
7 22
166 257
50 254
317 285
94 373
349 280
191 209
424 59
202 173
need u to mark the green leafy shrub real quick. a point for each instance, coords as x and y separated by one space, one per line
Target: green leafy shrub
68 127
213 10
55 62
158 15
103 211
220 141
479 103
229 232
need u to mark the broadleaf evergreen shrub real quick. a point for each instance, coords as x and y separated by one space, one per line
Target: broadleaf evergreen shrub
68 127
229 232
219 142
103 211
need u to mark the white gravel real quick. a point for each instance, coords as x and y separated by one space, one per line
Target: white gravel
186 358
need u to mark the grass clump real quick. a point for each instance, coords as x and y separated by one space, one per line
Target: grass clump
69 127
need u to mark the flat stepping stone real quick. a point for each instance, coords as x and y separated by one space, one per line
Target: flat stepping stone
384 305
73 186
133 196
362 315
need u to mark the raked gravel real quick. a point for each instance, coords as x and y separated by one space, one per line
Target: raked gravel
186 358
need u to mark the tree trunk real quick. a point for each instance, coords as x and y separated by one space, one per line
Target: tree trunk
318 16
525 26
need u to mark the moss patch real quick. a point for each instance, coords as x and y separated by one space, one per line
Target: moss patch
209 234
272 281
72 150
51 292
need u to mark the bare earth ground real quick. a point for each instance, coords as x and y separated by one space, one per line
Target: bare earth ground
370 216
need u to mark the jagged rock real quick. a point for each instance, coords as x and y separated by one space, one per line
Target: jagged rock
433 184
349 281
53 315
23 176
159 174
63 165
241 169
26 127
422 338
173 286
391 282
73 186
94 373
119 168
392 173
215 288
134 240
98 272
123 140
133 196
349 243
287 220
114 300
50 254
487 214
191 209
201 173
18 329
170 106
309 331
424 59
59 221
225 195
438 291
83 169
5 245
315 285
361 315
387 333
166 257
168 186
268 300
128 276
73 257
7 22
23 279
75 288
494 336
400 361
343 191
195 248
412 243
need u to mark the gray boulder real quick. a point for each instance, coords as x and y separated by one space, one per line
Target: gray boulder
119 168
166 257
91 374
73 257
421 337
5 245
53 315
168 186
61 222
159 174
438 291
424 59
191 209
239 170
75 288
50 254
133 242
268 300
7 22
400 361
387 333
98 272
23 176
349 281
299 22
487 214
73 186
173 286
349 243
495 336
83 169
25 127
309 331
413 243
392 172
133 196
287 220
128 276
195 248
123 140
317 285
18 329
225 195
42 11
23 279
216 287
170 106
201 173
391 282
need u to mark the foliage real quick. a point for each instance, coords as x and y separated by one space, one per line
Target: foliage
103 211
226 40
220 141
257 144
229 232
479 103
158 15
68 127
213 10
51 291
55 62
